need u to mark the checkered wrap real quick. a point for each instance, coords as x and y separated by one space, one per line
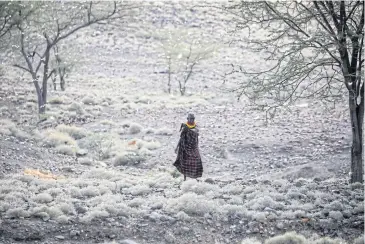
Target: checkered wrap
188 160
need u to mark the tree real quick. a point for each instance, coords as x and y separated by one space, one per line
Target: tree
42 26
183 50
312 49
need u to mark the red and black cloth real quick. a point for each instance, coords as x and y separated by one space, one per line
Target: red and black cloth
188 161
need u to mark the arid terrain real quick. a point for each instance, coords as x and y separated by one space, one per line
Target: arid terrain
97 168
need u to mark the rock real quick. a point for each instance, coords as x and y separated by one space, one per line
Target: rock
170 238
74 233
128 242
209 180
81 152
156 206
280 225
60 237
81 209
185 229
347 213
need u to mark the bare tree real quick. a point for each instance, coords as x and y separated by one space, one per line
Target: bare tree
313 49
46 25
183 50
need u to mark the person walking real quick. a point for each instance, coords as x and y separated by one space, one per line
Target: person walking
188 161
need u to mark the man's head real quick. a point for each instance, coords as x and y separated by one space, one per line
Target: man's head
191 118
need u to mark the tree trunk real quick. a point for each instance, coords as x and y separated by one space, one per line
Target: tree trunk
41 104
169 79
62 84
356 115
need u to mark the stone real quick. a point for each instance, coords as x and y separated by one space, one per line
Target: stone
81 152
60 237
74 233
209 180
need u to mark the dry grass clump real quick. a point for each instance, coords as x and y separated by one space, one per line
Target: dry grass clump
335 206
67 208
357 185
101 174
136 202
86 161
164 132
250 241
359 240
336 215
94 214
287 238
139 190
327 240
17 213
54 138
232 189
66 149
90 191
199 187
135 128
89 100
262 202
74 131
56 100
8 128
77 108
183 216
192 204
103 145
43 198
62 219
129 158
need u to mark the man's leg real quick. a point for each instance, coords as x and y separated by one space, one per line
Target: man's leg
184 177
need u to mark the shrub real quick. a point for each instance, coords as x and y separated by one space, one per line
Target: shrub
250 241
62 219
55 138
232 189
94 214
89 191
335 205
136 202
129 158
76 107
75 132
163 132
337 215
135 128
152 145
66 149
357 185
327 240
198 187
89 101
287 238
182 216
139 190
192 204
43 198
359 240
261 203
55 100
17 213
67 208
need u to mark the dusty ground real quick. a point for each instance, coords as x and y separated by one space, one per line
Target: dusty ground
116 181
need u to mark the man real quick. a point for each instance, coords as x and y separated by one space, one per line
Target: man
188 161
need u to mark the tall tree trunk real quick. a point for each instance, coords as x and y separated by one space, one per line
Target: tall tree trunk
41 103
356 115
62 84
169 78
